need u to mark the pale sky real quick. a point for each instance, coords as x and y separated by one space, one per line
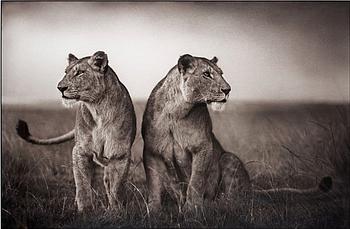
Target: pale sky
267 51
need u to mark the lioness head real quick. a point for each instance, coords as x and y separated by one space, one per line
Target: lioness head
85 79
202 81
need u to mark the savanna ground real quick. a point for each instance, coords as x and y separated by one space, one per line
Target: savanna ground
282 145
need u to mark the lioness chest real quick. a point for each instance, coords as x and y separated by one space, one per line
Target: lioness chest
181 139
101 135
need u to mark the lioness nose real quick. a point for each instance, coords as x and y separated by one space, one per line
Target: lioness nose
226 90
62 89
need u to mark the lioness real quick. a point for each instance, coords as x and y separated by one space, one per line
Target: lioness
181 154
104 130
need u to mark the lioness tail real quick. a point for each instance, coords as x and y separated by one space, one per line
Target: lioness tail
324 186
23 132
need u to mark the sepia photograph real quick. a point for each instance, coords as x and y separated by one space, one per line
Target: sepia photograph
187 114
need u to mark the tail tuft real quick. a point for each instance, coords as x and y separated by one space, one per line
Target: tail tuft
22 129
326 184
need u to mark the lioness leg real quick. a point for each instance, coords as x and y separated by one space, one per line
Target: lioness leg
115 176
196 188
212 181
155 171
83 172
234 177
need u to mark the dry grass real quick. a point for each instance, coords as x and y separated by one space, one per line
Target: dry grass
289 145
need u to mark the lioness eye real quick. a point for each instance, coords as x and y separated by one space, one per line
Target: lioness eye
207 75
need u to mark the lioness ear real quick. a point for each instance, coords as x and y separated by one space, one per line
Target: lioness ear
214 60
99 61
186 63
71 58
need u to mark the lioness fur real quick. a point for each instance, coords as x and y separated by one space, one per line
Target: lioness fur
181 153
105 126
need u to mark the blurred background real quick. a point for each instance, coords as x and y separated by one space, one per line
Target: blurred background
268 51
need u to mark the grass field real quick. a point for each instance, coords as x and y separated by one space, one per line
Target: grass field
282 145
